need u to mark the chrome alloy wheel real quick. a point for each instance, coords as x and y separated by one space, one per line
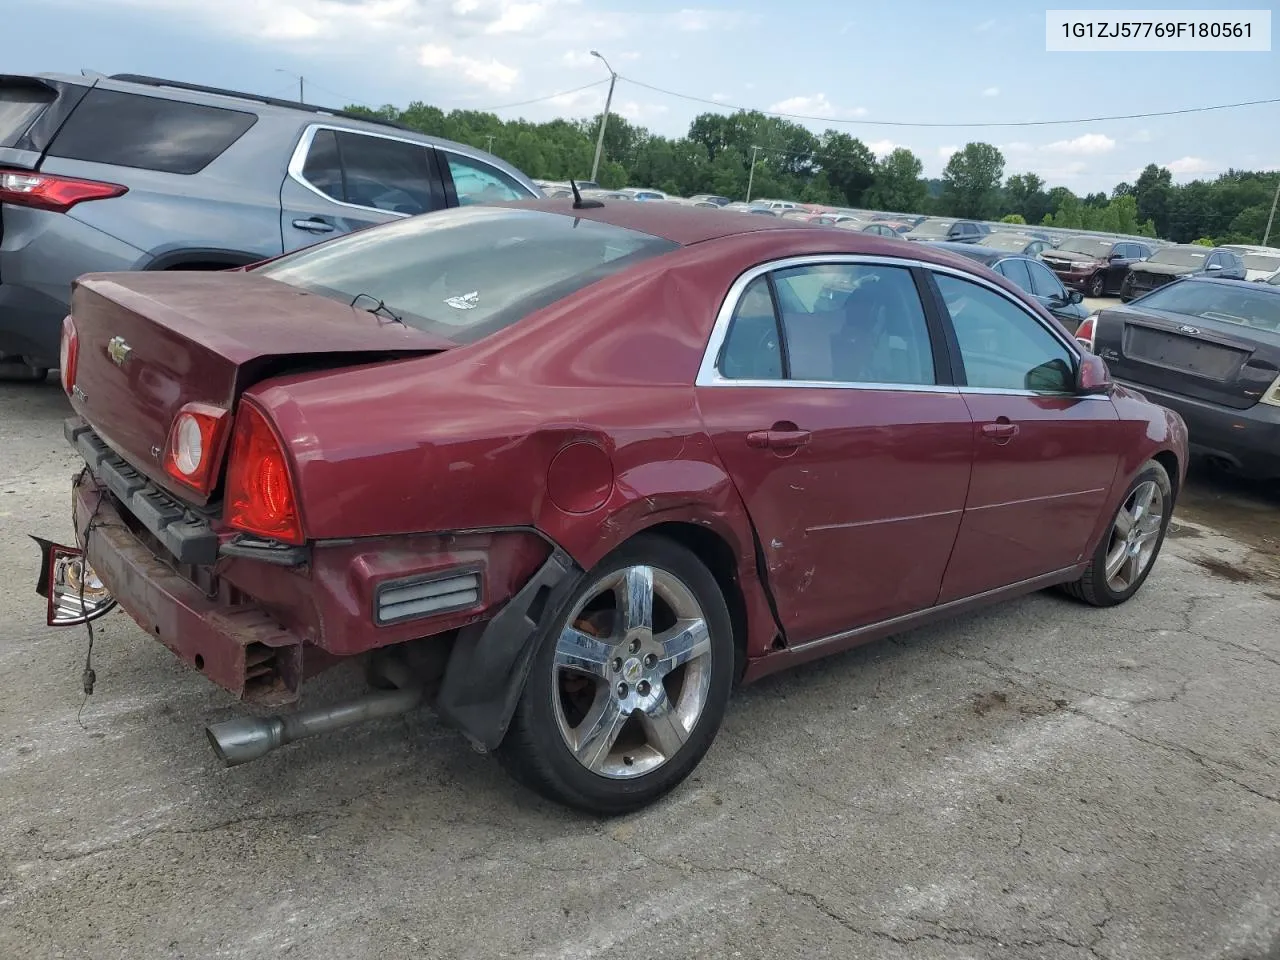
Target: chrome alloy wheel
632 672
1135 536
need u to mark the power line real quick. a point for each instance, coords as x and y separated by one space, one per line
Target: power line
549 96
905 123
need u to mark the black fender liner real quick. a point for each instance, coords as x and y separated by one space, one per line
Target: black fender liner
489 664
210 255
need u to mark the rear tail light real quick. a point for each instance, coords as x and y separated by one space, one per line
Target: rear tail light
194 449
68 354
1087 331
260 495
46 192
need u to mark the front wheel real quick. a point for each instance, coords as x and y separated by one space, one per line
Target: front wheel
629 688
1098 284
1126 290
1128 550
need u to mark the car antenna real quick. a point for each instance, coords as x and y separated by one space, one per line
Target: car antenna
578 202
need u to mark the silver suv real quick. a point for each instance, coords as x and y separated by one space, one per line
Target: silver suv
127 172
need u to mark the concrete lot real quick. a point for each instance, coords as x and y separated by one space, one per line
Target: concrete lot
1041 780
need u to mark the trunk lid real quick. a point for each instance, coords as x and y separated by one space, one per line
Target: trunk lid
149 343
1191 356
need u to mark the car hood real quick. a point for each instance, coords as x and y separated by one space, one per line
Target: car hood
1067 256
1165 269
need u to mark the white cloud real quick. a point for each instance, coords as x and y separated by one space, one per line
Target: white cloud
944 153
515 18
1189 166
991 92
815 106
1086 143
487 73
637 112
882 147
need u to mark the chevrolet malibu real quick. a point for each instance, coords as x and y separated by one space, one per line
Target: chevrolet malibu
567 471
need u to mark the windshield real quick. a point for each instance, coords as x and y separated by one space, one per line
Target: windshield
1227 302
1093 246
1009 242
468 272
1261 261
933 228
1180 256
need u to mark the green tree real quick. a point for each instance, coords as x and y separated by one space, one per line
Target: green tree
1013 218
848 167
1024 194
971 181
1153 189
898 186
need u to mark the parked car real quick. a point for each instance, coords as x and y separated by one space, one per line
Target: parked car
611 511
936 228
1029 275
718 200
1180 260
643 193
137 173
778 205
880 229
1010 242
1096 266
1209 349
1259 262
835 219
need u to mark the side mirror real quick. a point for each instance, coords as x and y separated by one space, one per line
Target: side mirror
1075 296
1214 267
1116 256
1092 376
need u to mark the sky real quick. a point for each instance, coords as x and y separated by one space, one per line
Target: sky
921 61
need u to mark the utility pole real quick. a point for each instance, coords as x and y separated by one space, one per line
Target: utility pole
1271 219
604 118
489 137
301 92
751 177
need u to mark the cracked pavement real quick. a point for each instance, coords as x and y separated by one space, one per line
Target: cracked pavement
1037 780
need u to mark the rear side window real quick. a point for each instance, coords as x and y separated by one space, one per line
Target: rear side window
1016 271
20 104
478 182
376 172
467 272
148 133
1043 282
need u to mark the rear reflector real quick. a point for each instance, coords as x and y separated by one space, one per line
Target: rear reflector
44 191
68 354
194 450
426 596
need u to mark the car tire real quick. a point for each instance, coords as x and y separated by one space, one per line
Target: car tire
1128 549
1098 284
664 722
1126 290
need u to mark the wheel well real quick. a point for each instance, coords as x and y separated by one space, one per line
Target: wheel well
203 265
714 551
1169 461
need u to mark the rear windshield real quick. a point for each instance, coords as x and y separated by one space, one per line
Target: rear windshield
468 272
20 104
933 228
1009 242
1088 245
1228 302
1179 256
149 133
1261 261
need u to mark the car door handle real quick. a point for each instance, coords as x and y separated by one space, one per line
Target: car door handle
314 225
778 439
1002 431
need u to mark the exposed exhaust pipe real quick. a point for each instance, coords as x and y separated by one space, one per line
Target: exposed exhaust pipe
243 739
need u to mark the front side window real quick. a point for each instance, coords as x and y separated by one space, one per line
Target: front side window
1044 283
1016 271
1003 347
467 272
477 182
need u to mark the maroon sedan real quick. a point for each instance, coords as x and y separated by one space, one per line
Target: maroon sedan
569 473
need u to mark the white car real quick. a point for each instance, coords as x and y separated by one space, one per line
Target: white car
1259 262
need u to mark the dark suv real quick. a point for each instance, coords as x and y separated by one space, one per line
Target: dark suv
1096 266
1181 260
957 231
135 173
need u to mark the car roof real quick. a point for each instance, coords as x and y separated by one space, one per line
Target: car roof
675 222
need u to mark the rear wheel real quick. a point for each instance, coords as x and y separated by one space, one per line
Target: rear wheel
1128 550
628 690
1126 290
1098 284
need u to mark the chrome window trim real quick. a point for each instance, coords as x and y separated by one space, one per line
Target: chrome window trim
709 375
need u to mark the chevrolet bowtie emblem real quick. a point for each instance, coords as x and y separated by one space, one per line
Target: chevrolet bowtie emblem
118 350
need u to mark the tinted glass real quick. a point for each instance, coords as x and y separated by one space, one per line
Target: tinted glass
1016 271
1003 346
853 323
751 349
323 168
1229 302
477 182
385 174
149 133
1043 282
20 104
466 272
